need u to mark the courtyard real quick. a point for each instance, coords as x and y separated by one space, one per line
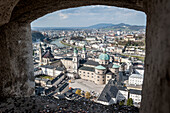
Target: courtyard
86 85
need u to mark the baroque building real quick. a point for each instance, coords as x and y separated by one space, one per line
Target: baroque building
98 72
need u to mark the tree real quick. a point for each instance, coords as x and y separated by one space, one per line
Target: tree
87 95
130 102
78 92
121 103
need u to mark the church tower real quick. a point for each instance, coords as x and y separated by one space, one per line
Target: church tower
40 54
84 54
75 61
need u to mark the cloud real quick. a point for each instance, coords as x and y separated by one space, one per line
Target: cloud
89 15
62 15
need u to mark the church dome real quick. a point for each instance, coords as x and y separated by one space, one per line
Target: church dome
115 66
104 56
100 67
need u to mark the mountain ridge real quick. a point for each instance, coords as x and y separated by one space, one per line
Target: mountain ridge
96 26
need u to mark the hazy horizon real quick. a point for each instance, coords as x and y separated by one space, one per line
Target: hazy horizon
91 15
83 26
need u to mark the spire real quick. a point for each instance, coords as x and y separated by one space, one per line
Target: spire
40 53
75 61
84 54
75 50
84 48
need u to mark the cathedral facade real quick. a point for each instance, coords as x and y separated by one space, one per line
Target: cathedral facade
98 72
81 67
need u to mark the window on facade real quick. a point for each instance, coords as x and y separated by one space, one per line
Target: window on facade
80 71
107 76
98 80
103 76
91 76
98 77
91 73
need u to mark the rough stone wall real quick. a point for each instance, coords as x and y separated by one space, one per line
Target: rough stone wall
17 77
29 10
156 87
16 67
6 8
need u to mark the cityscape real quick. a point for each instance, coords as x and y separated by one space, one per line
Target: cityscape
102 65
84 56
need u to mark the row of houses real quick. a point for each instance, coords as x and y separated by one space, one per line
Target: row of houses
114 93
52 87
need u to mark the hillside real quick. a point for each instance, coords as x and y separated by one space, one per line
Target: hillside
120 26
105 26
37 36
102 25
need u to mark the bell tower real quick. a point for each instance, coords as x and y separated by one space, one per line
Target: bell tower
75 61
40 54
84 54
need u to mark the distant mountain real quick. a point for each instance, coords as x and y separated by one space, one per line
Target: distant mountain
102 25
120 26
109 26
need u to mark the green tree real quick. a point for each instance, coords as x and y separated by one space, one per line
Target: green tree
130 102
121 103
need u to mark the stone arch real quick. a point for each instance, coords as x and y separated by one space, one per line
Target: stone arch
16 69
29 10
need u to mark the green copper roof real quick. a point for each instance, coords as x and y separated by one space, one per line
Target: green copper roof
104 56
75 50
115 66
100 67
84 48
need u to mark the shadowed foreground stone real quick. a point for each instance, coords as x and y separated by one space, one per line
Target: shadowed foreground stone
156 86
17 77
16 67
50 104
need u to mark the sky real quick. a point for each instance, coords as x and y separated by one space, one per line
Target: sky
90 15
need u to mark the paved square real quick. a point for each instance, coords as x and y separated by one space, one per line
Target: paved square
86 85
